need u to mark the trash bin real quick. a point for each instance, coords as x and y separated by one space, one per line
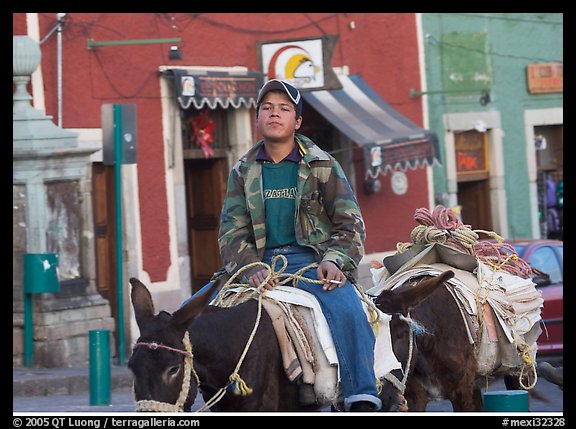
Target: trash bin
40 274
506 400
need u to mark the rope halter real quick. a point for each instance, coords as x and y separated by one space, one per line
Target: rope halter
178 407
415 330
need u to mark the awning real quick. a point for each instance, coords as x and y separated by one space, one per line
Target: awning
213 88
389 139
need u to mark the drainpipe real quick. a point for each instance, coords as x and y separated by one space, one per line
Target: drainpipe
60 18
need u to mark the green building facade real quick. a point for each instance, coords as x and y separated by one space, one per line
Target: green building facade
494 95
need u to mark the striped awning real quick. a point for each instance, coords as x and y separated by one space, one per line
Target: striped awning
389 139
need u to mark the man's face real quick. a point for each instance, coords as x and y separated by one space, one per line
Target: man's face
277 117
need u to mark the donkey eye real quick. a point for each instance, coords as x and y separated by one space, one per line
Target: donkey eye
173 371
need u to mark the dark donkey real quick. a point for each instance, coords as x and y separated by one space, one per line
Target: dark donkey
168 369
443 364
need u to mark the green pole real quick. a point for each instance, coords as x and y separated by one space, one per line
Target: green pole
118 199
91 44
28 330
100 378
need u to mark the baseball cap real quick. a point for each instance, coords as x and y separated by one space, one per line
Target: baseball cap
291 91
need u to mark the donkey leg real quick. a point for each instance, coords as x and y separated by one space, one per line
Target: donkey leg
469 399
417 396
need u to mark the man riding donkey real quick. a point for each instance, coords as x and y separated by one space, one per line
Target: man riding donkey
288 197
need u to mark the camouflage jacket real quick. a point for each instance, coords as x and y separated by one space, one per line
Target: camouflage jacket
328 217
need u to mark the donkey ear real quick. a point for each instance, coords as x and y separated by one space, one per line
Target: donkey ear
141 301
193 308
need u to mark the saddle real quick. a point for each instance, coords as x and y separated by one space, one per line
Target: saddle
308 351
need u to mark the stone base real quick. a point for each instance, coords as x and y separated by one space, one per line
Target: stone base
62 322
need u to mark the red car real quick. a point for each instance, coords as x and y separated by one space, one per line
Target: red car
548 257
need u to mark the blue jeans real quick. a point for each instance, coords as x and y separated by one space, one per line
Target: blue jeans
351 332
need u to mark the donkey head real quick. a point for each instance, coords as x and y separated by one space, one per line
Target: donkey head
398 303
161 360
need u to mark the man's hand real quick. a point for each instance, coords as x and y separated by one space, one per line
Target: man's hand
258 278
331 275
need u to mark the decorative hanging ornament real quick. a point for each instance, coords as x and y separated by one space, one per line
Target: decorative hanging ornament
203 130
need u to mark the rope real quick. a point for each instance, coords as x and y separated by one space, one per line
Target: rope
237 384
410 345
528 362
295 278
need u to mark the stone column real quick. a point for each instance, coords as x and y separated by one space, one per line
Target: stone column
52 213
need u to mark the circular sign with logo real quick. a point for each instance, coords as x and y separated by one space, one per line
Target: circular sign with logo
399 183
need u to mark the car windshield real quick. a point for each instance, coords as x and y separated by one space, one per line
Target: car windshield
544 259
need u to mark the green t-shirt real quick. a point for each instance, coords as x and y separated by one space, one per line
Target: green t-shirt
280 187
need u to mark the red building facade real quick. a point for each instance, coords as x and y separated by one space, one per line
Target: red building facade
380 48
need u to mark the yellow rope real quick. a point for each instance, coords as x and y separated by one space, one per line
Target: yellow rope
238 385
466 237
285 278
528 362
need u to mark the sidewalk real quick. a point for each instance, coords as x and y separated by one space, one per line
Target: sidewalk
64 381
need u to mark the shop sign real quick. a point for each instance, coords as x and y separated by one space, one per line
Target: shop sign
545 78
305 63
471 153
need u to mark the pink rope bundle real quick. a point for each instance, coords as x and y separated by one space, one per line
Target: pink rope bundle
444 226
441 217
504 256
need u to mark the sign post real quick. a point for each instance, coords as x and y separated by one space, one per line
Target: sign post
119 128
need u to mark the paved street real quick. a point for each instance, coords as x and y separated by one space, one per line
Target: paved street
123 402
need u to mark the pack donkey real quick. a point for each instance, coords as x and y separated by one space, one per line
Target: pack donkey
453 350
444 363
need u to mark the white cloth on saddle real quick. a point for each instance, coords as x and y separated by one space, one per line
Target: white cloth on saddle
384 358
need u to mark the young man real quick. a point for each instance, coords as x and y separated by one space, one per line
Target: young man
288 197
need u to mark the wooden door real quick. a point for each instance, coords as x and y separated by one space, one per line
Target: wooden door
105 232
474 197
205 187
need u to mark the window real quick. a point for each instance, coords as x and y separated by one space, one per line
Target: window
545 260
